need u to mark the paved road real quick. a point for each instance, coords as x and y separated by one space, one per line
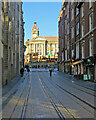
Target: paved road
37 95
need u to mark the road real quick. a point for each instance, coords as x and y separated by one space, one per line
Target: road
37 95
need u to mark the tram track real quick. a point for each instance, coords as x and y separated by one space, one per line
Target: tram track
75 85
25 103
83 101
46 89
24 106
11 94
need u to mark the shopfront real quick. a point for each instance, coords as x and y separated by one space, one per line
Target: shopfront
78 69
67 67
90 69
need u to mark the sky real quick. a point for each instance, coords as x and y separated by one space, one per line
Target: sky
45 14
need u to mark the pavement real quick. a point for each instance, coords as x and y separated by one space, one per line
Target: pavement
87 84
11 84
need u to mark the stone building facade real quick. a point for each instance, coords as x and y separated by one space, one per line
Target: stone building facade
12 40
1 45
40 47
79 42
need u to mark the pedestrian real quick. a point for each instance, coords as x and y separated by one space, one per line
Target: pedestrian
54 66
50 69
22 71
48 65
28 70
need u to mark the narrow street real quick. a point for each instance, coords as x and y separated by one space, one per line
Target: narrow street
37 95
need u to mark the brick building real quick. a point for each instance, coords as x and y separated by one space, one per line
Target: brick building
79 42
12 40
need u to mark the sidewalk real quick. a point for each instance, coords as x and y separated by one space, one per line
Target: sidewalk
87 84
11 84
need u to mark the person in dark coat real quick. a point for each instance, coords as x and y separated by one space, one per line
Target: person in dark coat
28 70
50 69
22 71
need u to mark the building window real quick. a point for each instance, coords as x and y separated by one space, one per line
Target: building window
90 21
47 51
62 44
52 46
65 54
40 46
72 32
52 52
62 29
90 4
78 27
56 52
47 46
83 50
68 29
90 47
40 52
68 11
65 37
82 10
72 53
77 11
82 29
37 45
67 45
77 50
32 45
72 14
62 56
56 45
9 54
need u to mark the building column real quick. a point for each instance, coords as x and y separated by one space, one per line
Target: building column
44 49
49 48
30 48
34 48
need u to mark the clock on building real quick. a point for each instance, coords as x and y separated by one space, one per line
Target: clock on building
34 35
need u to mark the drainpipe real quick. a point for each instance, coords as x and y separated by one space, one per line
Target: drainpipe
70 41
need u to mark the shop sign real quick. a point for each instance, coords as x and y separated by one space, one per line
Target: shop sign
88 60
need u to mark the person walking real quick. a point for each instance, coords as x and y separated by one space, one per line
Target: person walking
22 71
28 70
50 69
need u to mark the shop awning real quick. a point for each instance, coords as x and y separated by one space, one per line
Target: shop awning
75 63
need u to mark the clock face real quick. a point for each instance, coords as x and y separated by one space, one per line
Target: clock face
34 35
